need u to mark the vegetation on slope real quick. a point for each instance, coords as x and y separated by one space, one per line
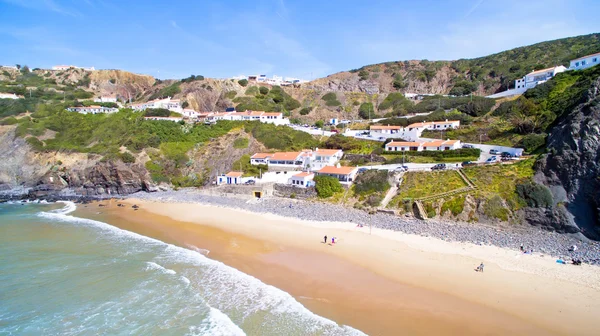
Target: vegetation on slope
273 100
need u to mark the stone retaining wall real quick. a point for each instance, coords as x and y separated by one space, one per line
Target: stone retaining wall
286 190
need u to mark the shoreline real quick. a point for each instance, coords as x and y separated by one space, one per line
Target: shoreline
540 241
526 292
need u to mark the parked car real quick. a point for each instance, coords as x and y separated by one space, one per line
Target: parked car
506 154
439 166
381 138
468 163
362 170
335 131
400 169
467 146
493 151
250 182
491 159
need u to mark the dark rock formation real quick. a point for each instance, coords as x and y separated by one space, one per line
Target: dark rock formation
571 169
101 180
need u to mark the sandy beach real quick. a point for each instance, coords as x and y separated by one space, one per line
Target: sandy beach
383 283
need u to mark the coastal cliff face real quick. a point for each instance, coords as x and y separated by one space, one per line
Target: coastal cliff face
25 173
571 169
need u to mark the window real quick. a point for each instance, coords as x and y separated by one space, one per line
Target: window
576 64
582 63
595 60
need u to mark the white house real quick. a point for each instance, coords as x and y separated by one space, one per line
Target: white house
538 77
174 119
302 180
230 178
9 96
166 103
585 62
344 174
403 146
437 145
286 160
265 117
260 158
93 109
67 67
106 99
321 158
411 132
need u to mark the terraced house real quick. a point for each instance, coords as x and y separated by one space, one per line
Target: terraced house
437 145
411 132
306 159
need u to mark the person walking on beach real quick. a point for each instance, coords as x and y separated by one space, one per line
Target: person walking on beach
333 240
325 239
480 267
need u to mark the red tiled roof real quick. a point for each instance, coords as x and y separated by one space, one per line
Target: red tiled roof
261 155
234 174
303 174
403 144
327 152
337 170
386 127
285 156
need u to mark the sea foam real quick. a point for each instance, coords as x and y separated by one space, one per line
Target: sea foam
225 287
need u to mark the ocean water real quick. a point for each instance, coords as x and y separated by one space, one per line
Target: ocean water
63 275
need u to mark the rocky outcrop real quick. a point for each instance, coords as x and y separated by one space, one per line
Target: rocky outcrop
571 169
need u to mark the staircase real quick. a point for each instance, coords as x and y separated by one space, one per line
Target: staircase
419 201
421 213
388 197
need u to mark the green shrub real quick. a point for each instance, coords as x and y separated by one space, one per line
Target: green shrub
127 157
157 112
455 205
531 142
9 121
305 110
243 82
230 94
371 181
35 143
330 99
535 195
365 111
494 207
363 75
326 186
247 168
263 90
240 143
319 123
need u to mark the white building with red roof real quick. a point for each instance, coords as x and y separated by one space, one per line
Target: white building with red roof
537 77
411 132
93 109
343 174
585 62
233 177
166 103
306 159
302 180
436 145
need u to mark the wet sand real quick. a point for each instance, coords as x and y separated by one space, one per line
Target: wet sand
379 285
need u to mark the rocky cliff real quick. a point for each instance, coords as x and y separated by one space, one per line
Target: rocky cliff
25 173
571 169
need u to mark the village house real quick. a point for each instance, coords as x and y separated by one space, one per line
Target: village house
232 177
106 99
260 159
302 180
344 174
166 103
537 77
67 67
9 96
321 158
174 119
413 131
265 117
93 109
437 145
306 159
403 146
585 62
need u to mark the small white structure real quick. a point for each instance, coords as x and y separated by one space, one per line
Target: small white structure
306 159
345 175
537 77
93 109
265 117
67 67
411 132
9 96
403 146
260 158
166 103
230 178
585 62
437 145
174 119
106 99
302 180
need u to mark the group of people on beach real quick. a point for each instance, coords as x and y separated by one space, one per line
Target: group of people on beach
332 240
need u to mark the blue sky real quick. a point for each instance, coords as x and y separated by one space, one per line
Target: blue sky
300 38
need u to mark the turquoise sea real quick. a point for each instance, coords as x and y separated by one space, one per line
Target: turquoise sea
63 275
